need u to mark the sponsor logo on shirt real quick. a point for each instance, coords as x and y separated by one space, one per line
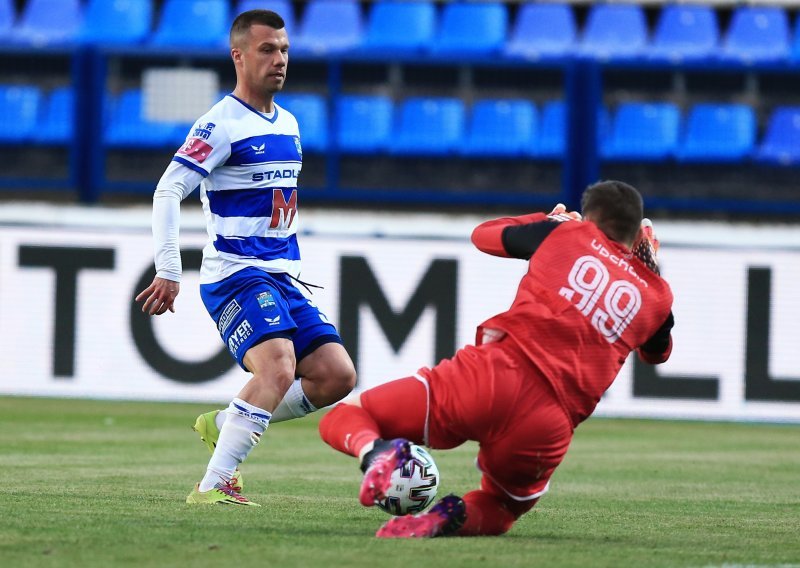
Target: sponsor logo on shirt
287 173
196 149
203 130
258 149
227 316
273 321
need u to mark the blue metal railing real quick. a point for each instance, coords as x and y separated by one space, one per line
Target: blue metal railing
581 163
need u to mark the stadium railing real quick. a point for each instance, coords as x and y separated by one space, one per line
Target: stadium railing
578 129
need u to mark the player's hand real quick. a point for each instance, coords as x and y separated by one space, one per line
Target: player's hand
560 214
159 296
646 245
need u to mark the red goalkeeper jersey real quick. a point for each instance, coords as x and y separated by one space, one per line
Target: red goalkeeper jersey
585 303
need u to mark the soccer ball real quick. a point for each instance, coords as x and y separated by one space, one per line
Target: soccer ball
413 486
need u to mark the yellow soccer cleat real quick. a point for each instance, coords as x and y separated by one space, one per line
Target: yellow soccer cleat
206 426
223 494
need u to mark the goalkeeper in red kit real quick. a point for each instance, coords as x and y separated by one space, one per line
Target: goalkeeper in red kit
592 295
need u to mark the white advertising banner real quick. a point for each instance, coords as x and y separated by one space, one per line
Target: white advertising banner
70 326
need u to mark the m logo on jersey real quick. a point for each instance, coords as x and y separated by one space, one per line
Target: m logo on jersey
196 149
283 213
203 130
258 149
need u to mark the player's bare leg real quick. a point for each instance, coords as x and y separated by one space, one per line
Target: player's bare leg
327 375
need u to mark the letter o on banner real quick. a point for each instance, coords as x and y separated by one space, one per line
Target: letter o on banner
154 354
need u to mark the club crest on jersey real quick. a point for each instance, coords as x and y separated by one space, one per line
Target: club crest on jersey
203 130
265 300
297 145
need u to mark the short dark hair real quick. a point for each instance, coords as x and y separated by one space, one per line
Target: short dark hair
245 20
615 207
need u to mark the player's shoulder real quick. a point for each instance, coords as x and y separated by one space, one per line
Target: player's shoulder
214 119
284 114
227 108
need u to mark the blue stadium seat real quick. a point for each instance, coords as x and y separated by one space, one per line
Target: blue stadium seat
757 34
794 54
542 31
685 32
23 103
429 126
614 31
192 23
718 133
116 21
781 143
48 22
471 29
550 141
57 119
501 127
284 8
643 132
329 26
311 113
7 17
364 123
400 25
128 127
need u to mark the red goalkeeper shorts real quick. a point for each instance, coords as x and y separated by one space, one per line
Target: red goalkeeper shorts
491 394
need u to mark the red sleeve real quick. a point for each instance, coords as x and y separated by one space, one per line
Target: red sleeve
488 236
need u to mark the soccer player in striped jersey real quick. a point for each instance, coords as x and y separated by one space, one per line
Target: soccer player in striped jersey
592 295
245 155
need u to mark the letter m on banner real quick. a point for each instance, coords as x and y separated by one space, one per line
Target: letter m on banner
437 288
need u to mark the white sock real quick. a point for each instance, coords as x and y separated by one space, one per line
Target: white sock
295 404
241 431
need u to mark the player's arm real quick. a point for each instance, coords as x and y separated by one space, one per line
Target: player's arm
658 348
174 186
514 237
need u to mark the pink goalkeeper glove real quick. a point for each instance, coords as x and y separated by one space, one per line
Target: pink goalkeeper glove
559 213
646 245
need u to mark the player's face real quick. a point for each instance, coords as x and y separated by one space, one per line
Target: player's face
264 58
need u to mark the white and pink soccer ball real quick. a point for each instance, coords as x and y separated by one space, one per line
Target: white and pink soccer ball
414 485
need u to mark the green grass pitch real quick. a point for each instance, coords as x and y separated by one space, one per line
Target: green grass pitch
95 483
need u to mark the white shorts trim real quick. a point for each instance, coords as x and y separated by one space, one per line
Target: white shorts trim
514 497
424 381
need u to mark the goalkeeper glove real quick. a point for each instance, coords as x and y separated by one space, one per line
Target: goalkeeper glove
646 245
560 214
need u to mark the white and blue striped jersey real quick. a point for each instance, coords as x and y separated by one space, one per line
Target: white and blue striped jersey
249 163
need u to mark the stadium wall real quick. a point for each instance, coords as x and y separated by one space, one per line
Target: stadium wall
405 291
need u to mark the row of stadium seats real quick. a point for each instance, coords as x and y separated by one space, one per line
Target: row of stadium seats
459 28
438 126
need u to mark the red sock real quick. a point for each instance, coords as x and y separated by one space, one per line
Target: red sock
491 514
348 428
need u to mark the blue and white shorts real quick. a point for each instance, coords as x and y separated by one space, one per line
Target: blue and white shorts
252 306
